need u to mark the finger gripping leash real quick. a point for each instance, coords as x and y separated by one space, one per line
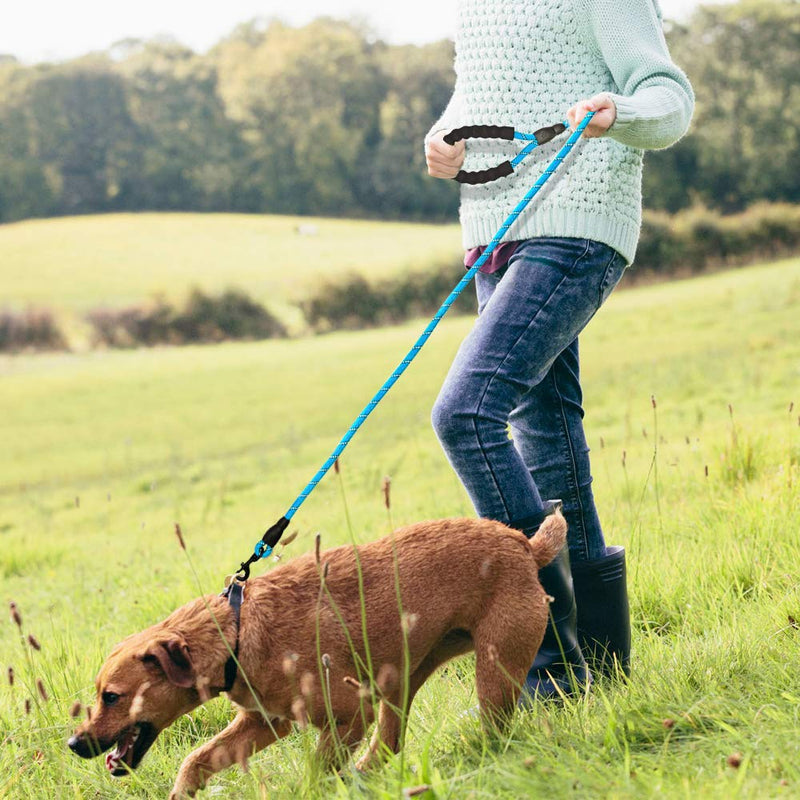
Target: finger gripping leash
273 534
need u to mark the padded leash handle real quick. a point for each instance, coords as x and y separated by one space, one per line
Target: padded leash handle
485 175
480 132
505 132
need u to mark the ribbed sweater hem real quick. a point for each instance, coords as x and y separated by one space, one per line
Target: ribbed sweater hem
621 234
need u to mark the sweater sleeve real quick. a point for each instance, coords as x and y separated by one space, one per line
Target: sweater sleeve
450 116
655 99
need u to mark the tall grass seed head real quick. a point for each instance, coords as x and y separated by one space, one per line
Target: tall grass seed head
387 490
299 713
202 684
179 534
734 760
290 665
388 679
289 539
408 622
307 685
416 791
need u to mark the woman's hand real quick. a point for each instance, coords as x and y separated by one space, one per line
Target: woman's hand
444 160
605 115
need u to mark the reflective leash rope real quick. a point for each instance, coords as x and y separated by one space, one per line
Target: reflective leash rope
273 534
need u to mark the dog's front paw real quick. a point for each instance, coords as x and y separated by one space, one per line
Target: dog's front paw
186 785
181 791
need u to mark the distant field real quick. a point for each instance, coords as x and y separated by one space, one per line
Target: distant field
102 452
78 263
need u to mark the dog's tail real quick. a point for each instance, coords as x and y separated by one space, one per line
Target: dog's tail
549 539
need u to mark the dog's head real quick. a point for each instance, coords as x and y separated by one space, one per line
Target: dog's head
147 682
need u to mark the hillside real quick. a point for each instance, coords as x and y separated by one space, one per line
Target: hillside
76 263
692 392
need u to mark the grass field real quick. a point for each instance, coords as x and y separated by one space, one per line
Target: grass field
78 263
103 452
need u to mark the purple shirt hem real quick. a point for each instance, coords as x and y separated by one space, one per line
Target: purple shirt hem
497 260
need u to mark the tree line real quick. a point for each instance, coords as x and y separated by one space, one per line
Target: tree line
325 119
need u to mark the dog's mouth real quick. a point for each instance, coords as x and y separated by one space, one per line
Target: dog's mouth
132 744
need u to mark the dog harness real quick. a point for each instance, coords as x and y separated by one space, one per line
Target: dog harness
234 593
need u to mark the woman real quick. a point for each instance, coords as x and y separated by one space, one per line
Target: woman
522 63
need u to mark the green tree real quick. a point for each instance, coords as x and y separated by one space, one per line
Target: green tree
420 81
308 99
190 151
24 189
67 130
744 144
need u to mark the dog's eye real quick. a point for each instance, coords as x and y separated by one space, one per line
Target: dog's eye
109 698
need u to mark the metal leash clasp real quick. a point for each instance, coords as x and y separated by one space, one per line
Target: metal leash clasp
263 548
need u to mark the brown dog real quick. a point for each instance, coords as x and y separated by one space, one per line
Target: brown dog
466 585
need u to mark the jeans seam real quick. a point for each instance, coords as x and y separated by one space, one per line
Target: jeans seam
488 463
573 465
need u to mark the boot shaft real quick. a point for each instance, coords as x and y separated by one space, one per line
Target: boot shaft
603 613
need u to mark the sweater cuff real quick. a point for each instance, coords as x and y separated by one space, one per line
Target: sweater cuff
652 118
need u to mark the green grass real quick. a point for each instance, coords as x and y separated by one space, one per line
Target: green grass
103 452
78 263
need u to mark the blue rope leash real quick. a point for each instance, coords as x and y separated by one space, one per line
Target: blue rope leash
266 544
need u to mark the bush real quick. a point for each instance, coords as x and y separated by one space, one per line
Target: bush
352 302
34 329
700 239
691 241
232 315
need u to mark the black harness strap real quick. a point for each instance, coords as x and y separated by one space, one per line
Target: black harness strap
235 595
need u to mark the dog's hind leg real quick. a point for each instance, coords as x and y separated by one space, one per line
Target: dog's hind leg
248 733
504 651
388 732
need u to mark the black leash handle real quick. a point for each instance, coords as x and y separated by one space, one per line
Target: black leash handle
480 132
505 132
485 175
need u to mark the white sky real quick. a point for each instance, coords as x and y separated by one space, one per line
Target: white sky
49 30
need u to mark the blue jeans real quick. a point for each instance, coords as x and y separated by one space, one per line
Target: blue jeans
517 372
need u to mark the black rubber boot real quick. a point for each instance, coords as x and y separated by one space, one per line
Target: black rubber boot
559 667
604 621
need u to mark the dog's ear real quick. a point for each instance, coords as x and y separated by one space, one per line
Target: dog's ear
174 657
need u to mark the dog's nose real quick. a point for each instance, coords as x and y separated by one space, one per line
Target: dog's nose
79 746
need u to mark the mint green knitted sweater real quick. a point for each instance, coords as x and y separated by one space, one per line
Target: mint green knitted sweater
525 63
